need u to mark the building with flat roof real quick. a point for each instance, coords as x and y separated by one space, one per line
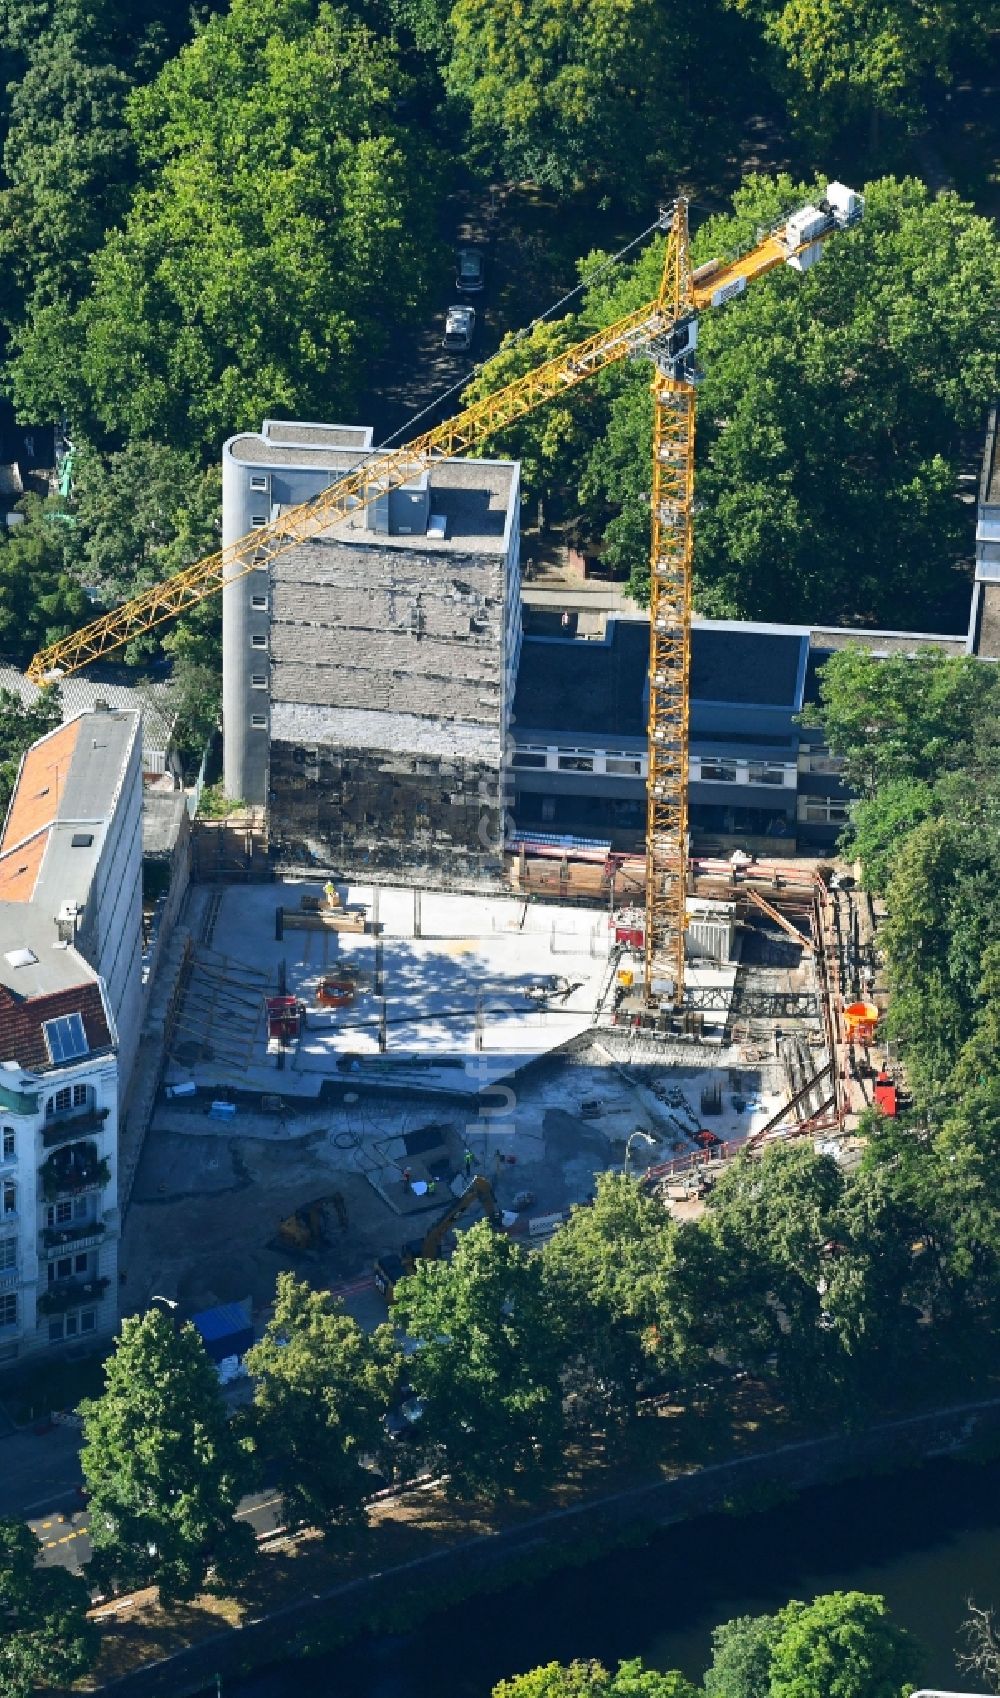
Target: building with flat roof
368 675
70 1009
757 776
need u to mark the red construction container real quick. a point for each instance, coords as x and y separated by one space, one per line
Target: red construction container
885 1095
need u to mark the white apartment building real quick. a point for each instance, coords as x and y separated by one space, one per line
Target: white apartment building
70 1016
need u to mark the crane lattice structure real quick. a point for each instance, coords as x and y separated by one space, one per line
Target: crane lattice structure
664 331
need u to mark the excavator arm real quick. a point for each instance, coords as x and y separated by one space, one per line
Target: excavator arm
638 335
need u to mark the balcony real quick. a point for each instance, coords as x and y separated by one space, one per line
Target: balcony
85 1235
63 1128
71 1294
72 1171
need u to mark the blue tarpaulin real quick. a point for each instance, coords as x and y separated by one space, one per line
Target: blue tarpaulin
226 1330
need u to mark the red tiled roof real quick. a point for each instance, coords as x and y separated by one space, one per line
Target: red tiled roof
42 778
21 1036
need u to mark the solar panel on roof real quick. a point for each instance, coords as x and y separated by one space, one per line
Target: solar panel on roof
65 1038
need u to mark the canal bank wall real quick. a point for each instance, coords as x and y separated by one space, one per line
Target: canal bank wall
398 1598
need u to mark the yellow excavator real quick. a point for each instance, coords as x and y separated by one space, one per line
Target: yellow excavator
390 1268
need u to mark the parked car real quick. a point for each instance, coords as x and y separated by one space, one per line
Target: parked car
458 327
470 271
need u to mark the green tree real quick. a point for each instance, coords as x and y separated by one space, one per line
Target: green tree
283 230
880 825
603 1278
842 1645
68 162
741 1657
593 1680
21 724
601 91
843 60
164 1470
488 1363
831 419
47 1639
904 717
40 597
142 513
321 1388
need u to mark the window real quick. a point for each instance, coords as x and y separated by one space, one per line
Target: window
81 1263
62 1269
70 1096
623 764
8 1310
259 602
8 1254
65 1038
81 840
759 773
8 1199
825 810
9 1146
259 681
718 772
68 1326
58 1214
576 763
258 520
80 1207
257 641
258 481
521 759
259 721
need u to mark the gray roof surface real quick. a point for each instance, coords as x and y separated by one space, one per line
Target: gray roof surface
585 686
594 687
253 450
303 434
27 925
87 799
162 817
748 666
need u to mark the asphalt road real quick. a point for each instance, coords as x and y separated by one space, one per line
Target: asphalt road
65 1534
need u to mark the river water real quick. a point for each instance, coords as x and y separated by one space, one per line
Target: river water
926 1539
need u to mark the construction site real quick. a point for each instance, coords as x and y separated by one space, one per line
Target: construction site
344 1063
392 1009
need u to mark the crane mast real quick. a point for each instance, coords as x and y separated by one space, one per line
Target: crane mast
664 331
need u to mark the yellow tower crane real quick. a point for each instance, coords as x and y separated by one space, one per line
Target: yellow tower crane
664 331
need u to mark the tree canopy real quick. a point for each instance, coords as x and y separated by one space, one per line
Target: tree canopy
831 418
163 1468
488 1363
47 1639
321 1387
280 202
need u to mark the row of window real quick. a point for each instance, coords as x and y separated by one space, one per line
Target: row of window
709 771
56 1214
60 1326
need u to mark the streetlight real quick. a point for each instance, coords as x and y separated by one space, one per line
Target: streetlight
638 1133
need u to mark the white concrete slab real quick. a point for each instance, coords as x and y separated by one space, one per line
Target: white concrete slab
457 1008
